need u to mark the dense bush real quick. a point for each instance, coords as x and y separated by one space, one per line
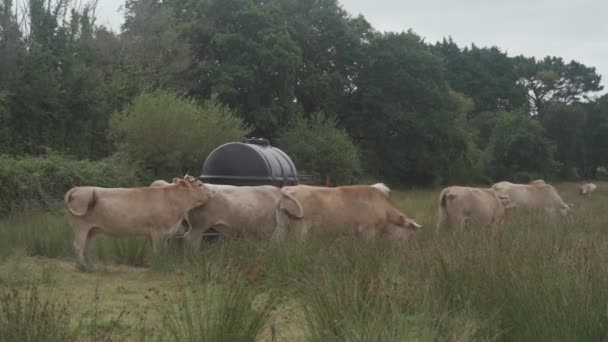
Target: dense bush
169 135
519 149
318 146
34 182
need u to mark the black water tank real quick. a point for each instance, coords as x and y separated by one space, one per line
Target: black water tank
249 163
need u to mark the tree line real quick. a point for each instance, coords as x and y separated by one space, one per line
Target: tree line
415 112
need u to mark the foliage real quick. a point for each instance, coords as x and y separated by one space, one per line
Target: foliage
418 112
318 146
169 135
487 75
519 149
565 127
596 136
41 182
410 126
552 80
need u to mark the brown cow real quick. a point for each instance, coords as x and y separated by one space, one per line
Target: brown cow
463 205
360 210
153 211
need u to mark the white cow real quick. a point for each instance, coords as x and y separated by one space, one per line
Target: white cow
587 189
538 196
235 211
153 211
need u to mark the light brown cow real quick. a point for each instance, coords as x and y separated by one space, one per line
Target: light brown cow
359 210
538 196
460 206
236 211
153 211
587 189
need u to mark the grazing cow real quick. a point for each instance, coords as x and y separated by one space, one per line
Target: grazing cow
360 210
235 211
587 189
153 211
463 205
539 196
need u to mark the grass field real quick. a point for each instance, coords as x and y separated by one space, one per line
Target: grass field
533 279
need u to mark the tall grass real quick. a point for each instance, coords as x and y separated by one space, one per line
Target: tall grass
24 316
533 279
213 312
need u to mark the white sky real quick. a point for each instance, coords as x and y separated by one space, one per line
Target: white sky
571 29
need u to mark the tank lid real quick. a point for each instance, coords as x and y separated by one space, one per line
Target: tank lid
257 141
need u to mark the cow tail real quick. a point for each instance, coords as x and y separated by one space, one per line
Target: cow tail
84 207
443 207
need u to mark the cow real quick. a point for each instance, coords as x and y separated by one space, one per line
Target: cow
153 211
587 189
235 211
362 211
537 181
478 206
538 196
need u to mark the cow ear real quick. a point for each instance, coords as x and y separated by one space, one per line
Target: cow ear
291 205
175 180
182 182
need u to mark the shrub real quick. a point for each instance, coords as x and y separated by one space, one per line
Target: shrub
318 146
39 182
169 135
518 146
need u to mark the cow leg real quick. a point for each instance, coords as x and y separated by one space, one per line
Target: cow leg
301 231
159 242
367 233
194 237
81 240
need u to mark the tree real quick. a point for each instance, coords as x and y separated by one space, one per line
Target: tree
596 137
246 56
332 45
318 146
565 125
410 125
169 135
486 75
154 45
551 80
519 150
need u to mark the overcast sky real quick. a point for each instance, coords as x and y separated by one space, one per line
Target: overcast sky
571 29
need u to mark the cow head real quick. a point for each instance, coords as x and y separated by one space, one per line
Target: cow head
409 223
197 191
506 201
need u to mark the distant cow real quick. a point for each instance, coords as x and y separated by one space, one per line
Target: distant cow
153 211
359 210
539 196
460 206
587 189
236 211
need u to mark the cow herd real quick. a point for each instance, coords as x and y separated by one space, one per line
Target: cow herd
161 210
